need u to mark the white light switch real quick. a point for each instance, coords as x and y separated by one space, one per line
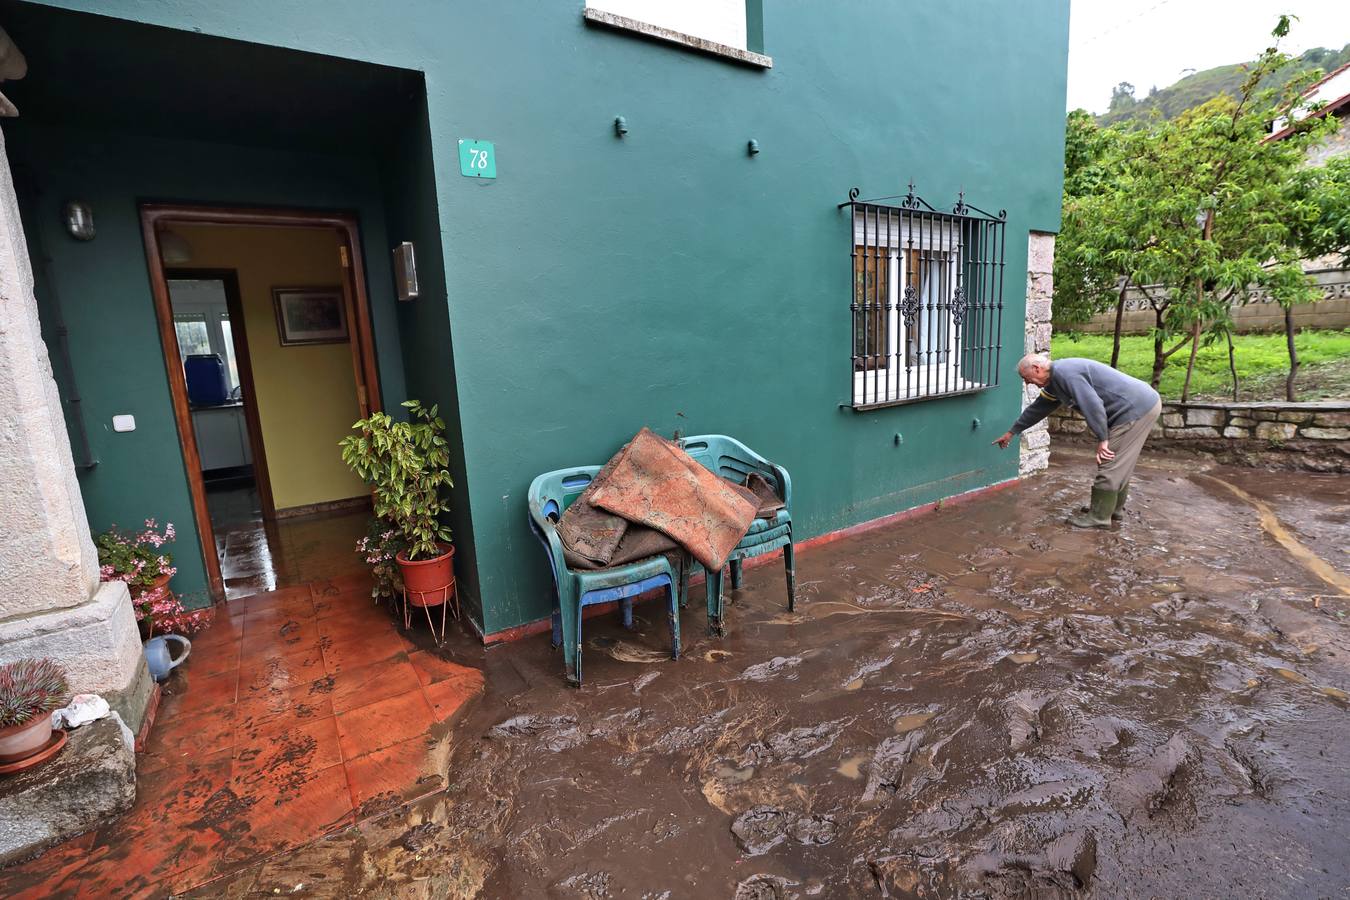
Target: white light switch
124 423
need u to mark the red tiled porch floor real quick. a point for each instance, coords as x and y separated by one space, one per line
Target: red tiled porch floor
298 712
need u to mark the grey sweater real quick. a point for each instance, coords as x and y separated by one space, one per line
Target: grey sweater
1104 396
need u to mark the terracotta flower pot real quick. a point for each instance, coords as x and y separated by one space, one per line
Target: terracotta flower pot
429 582
140 591
18 742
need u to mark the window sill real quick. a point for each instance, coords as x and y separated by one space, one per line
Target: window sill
623 23
903 401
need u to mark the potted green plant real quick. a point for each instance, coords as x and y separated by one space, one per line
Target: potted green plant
406 465
30 689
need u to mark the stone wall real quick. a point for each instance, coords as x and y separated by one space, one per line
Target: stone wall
1034 448
1310 436
51 601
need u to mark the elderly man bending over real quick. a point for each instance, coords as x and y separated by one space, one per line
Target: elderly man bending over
1119 410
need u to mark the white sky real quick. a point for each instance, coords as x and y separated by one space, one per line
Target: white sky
1153 42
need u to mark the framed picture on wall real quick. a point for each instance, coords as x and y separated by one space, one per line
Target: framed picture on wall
310 315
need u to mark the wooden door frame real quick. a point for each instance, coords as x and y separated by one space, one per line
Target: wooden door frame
244 363
154 216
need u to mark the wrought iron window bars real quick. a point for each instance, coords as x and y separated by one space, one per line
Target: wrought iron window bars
927 299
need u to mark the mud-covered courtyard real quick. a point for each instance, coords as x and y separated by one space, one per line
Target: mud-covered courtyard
976 702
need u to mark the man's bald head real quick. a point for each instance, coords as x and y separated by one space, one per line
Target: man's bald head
1034 368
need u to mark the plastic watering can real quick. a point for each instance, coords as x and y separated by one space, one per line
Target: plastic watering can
157 655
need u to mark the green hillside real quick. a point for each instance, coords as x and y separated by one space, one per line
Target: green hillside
1198 87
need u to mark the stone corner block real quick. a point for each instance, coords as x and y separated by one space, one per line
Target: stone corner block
92 780
1040 251
1037 438
96 641
1032 462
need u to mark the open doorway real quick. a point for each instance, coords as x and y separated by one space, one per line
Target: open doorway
266 333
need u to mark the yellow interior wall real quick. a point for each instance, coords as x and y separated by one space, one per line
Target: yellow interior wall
306 394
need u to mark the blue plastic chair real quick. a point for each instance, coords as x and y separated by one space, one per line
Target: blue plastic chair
575 589
730 459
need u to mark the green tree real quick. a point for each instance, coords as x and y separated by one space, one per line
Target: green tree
1322 196
1092 250
1122 99
1326 191
1194 211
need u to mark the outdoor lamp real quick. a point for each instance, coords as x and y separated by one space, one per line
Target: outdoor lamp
405 271
79 219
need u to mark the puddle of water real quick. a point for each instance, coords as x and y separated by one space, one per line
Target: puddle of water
852 767
1023 659
912 721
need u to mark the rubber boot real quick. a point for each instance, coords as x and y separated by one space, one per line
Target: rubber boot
1099 511
1119 513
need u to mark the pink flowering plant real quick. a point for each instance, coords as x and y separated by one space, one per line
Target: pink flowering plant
378 548
138 560
135 558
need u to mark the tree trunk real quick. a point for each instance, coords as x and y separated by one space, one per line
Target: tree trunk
1232 362
1120 316
1159 355
1293 353
1190 364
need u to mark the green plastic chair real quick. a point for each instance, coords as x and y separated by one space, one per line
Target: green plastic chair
730 459
575 589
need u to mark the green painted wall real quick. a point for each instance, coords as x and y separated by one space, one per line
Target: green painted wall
411 210
669 280
104 291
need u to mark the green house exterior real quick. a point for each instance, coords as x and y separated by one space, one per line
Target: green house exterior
666 277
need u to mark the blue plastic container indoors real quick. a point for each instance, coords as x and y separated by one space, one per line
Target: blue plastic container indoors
206 381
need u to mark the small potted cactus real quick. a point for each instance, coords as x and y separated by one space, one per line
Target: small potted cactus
30 689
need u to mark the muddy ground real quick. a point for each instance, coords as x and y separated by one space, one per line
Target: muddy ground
981 703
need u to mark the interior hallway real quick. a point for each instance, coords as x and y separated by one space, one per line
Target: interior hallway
257 556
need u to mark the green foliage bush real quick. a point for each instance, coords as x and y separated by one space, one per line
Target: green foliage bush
406 463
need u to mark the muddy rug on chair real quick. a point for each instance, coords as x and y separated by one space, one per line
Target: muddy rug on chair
655 483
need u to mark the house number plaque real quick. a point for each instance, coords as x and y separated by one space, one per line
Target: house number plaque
477 159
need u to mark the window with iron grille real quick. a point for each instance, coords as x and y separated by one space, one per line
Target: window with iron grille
927 302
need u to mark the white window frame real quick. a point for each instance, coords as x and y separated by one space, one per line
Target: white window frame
213 312
891 380
638 17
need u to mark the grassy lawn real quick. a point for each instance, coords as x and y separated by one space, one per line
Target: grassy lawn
1262 364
